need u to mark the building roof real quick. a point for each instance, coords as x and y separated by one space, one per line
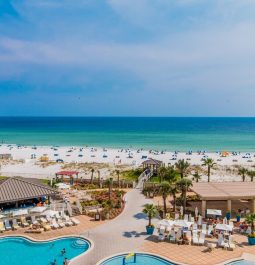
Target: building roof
67 173
152 161
224 190
18 189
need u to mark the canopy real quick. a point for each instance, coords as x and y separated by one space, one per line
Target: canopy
213 212
224 227
38 209
63 186
165 223
182 223
20 212
50 213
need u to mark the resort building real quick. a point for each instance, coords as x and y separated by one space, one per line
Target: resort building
152 164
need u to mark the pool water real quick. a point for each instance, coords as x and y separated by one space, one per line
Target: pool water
242 262
141 259
21 251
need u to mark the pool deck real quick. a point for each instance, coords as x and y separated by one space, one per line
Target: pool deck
126 233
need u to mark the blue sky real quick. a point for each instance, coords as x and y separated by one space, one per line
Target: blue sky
127 57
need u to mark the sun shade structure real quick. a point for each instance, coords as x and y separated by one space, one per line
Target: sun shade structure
152 164
17 189
214 212
225 191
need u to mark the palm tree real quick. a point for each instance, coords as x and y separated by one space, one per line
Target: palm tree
251 174
196 176
162 173
173 192
172 175
109 183
210 164
250 219
92 175
182 167
151 211
164 190
242 171
183 185
118 176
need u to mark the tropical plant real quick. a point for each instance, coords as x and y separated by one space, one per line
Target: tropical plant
183 185
162 172
250 219
251 174
209 162
164 190
109 183
196 176
92 175
118 176
172 175
151 211
173 192
182 167
242 171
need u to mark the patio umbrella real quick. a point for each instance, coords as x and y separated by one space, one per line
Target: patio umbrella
181 210
38 209
50 213
20 212
224 227
182 223
196 212
213 212
165 223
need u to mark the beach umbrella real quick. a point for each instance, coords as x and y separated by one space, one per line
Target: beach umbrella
196 212
165 223
20 212
213 212
38 209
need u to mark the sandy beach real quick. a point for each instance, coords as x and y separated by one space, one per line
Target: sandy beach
26 160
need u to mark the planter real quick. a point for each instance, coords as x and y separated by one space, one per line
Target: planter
251 240
228 216
149 230
238 218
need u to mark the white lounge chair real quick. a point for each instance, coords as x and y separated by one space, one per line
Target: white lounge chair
15 225
195 240
194 227
24 222
230 244
204 229
221 242
209 231
68 221
33 220
54 224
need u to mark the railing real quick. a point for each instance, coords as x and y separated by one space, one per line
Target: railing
144 177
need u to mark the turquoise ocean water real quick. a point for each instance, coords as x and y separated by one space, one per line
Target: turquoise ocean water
210 134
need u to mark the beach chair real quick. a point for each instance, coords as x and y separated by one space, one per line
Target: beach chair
188 235
201 239
68 221
43 220
77 222
61 223
195 238
194 227
23 221
15 225
48 218
231 243
46 227
172 237
7 225
54 224
2 228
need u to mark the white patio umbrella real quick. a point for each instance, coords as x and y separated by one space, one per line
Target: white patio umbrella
224 227
165 223
38 209
213 212
182 223
20 212
181 210
196 212
50 213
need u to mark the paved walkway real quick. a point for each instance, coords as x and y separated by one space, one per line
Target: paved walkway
124 233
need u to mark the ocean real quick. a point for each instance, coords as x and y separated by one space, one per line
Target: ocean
182 134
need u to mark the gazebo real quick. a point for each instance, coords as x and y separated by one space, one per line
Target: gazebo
225 191
152 164
69 174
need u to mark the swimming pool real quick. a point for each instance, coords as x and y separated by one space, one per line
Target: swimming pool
242 262
22 251
141 259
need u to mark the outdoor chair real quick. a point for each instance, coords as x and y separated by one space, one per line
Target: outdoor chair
33 220
221 242
201 239
204 229
172 236
195 239
15 225
24 222
209 231
54 224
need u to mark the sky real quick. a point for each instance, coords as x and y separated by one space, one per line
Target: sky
127 58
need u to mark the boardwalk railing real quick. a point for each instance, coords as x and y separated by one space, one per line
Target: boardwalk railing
144 177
